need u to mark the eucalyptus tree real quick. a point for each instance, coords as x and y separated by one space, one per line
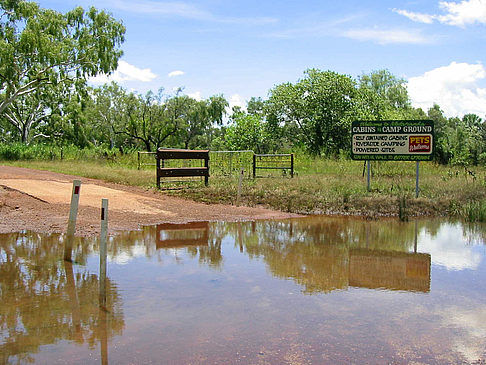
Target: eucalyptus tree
108 114
199 117
247 132
316 111
388 87
40 47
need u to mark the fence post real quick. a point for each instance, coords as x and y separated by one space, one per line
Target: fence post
157 163
206 165
73 213
292 165
103 239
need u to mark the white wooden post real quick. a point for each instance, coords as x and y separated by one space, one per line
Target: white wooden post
103 239
73 213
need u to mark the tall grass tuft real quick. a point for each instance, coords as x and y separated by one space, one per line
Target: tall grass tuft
475 211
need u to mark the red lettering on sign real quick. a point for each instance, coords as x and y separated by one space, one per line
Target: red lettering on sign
76 189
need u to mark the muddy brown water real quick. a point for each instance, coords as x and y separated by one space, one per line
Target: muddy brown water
302 291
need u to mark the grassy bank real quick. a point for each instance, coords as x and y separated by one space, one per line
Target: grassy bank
321 186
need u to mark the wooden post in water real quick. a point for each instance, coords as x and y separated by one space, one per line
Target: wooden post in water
103 239
240 182
73 213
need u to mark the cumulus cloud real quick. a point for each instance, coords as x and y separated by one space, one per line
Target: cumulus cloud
176 73
387 36
195 95
454 88
456 13
236 100
125 72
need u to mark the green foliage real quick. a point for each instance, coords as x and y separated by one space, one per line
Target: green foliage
40 47
246 132
317 110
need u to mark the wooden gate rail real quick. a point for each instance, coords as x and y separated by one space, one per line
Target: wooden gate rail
163 154
263 159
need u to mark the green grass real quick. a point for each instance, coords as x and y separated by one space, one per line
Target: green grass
321 186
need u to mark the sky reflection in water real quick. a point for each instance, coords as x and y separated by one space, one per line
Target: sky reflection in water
313 290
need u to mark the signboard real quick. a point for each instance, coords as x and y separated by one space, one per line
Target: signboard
396 140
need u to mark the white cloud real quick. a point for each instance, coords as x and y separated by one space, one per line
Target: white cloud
456 13
195 95
454 88
465 12
176 73
416 17
125 72
387 36
236 100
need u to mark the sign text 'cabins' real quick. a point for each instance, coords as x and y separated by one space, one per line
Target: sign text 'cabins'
399 140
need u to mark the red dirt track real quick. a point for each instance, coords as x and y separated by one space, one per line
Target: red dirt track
39 201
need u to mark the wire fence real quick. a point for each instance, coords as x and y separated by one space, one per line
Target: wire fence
230 163
227 163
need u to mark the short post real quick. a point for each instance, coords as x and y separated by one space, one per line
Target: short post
368 168
103 239
138 160
417 170
240 183
292 165
73 213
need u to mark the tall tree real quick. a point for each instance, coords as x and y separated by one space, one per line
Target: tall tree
387 86
41 47
317 109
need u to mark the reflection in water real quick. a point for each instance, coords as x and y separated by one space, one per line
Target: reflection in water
389 270
43 300
295 291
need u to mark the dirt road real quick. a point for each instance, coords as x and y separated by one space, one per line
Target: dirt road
39 201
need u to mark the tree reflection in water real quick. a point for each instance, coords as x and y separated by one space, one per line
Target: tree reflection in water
44 300
321 255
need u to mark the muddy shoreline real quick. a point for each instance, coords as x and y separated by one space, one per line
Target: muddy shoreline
39 201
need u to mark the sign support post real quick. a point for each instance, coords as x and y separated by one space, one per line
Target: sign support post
368 166
417 189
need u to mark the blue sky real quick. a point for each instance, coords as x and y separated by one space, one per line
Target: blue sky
243 48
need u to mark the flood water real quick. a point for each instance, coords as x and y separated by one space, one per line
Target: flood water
304 291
